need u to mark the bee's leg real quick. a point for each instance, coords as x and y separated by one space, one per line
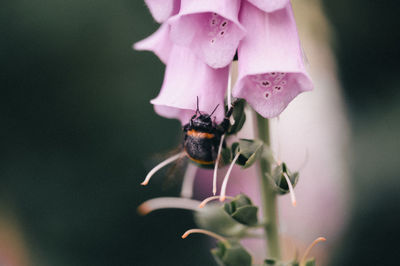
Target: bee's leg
187 126
225 124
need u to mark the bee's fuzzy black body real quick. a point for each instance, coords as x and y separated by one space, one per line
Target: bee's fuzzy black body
202 137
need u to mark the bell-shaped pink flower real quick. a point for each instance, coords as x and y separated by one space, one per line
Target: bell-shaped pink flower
161 10
210 28
157 43
186 78
269 5
271 68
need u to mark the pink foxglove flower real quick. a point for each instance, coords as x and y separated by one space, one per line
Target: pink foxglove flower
163 9
271 69
186 78
210 28
269 5
158 43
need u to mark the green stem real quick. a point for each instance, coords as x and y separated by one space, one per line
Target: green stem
268 195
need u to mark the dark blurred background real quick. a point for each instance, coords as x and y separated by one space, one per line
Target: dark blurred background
77 132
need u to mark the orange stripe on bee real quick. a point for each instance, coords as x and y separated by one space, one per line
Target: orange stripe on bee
202 135
199 161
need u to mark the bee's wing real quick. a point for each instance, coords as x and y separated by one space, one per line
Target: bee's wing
175 172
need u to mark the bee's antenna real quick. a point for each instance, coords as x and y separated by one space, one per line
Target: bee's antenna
215 109
197 108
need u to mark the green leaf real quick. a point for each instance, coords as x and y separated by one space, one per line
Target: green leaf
250 151
278 179
218 253
270 262
226 156
231 254
241 200
310 262
239 116
218 220
242 210
235 147
246 215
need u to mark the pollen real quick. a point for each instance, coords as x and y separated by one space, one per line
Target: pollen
143 209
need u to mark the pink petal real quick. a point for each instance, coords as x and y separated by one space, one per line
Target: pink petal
210 28
161 10
269 5
157 43
187 77
271 69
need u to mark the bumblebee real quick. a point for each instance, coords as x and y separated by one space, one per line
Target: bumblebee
202 137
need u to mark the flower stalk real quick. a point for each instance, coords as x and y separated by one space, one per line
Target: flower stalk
268 195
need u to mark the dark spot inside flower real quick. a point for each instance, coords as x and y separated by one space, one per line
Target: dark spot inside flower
222 33
278 88
212 41
265 83
267 95
273 74
224 24
213 21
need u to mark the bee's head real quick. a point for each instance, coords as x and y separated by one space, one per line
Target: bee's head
203 121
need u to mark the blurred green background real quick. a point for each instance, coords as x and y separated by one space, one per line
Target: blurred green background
77 132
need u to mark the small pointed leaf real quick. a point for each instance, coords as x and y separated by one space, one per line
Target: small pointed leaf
231 254
310 262
278 179
226 156
239 116
246 215
250 151
242 210
270 262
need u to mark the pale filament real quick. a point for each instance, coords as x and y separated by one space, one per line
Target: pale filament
291 190
188 181
226 179
306 157
161 165
168 203
229 92
216 165
206 232
207 200
316 241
